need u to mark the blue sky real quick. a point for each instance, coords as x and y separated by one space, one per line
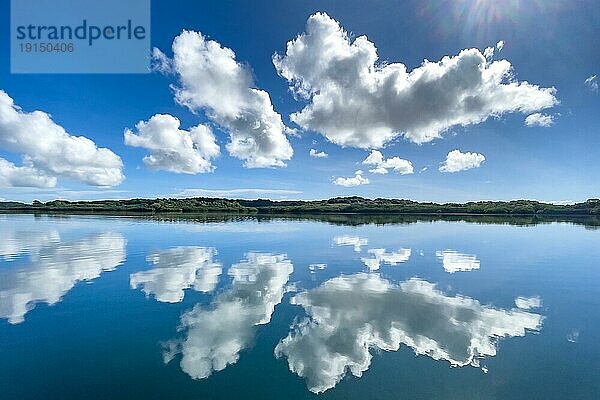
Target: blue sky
550 45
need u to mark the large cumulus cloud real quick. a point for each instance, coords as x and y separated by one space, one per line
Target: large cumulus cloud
211 79
354 100
49 152
174 149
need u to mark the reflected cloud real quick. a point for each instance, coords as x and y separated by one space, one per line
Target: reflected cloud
316 267
178 269
573 336
528 303
54 270
215 337
381 256
355 241
350 315
15 242
454 261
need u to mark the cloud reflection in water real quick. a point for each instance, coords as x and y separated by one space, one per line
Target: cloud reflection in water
347 240
454 261
54 269
215 337
382 256
178 269
15 242
350 315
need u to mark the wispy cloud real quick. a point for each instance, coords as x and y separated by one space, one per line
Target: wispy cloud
592 83
46 194
237 193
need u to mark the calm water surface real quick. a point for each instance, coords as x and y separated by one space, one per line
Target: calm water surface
123 308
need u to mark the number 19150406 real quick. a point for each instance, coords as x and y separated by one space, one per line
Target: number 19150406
36 47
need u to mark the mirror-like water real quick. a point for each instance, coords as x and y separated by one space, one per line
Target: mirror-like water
120 308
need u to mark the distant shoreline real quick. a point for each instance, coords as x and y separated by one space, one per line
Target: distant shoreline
334 206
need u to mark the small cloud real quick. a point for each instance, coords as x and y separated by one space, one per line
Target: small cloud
317 154
457 161
592 83
500 45
538 119
382 166
355 180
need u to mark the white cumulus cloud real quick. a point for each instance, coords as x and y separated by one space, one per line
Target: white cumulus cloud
381 165
351 317
538 119
211 79
49 152
457 161
356 100
317 154
13 176
356 180
173 149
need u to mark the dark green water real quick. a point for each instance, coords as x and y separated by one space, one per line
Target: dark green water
124 308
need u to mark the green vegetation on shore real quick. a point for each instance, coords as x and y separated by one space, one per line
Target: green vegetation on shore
338 205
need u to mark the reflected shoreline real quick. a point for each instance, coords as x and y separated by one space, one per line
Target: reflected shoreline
347 219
